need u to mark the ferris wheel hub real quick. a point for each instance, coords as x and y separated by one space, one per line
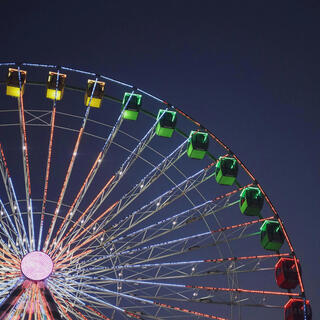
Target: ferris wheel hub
36 266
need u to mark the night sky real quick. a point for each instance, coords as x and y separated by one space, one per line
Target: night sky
247 70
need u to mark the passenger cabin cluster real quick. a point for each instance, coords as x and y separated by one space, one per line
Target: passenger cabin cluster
226 170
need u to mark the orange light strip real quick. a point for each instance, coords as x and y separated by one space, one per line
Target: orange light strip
232 192
199 314
249 257
4 160
77 197
45 307
90 225
61 307
64 186
241 225
60 264
25 142
244 291
132 315
45 192
83 214
76 311
80 245
31 303
97 313
10 255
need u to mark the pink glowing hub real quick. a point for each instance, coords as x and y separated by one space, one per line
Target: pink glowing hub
36 266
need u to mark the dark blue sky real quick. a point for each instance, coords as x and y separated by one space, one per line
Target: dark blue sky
247 70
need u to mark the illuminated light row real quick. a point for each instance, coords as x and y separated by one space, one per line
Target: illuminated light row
278 255
163 221
91 224
66 180
232 192
71 209
163 200
82 215
243 290
24 142
124 167
94 168
19 212
11 196
3 158
196 208
45 192
171 158
64 311
196 313
218 260
9 255
198 235
78 247
98 313
64 186
241 225
61 264
3 209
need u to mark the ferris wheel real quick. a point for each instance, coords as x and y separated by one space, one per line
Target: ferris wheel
116 204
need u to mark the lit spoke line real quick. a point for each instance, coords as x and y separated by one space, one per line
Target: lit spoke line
9 255
105 303
69 171
82 215
75 312
12 200
93 171
12 244
169 243
61 264
218 260
279 293
10 309
170 251
112 183
45 190
85 230
160 202
63 290
25 161
151 302
194 236
19 306
67 256
186 217
30 304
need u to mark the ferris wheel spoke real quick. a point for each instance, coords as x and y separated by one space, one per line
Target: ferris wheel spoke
47 176
165 199
158 203
19 227
177 221
25 161
181 246
88 180
69 170
136 191
8 234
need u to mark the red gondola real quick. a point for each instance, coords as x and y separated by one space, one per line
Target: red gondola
295 310
286 273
